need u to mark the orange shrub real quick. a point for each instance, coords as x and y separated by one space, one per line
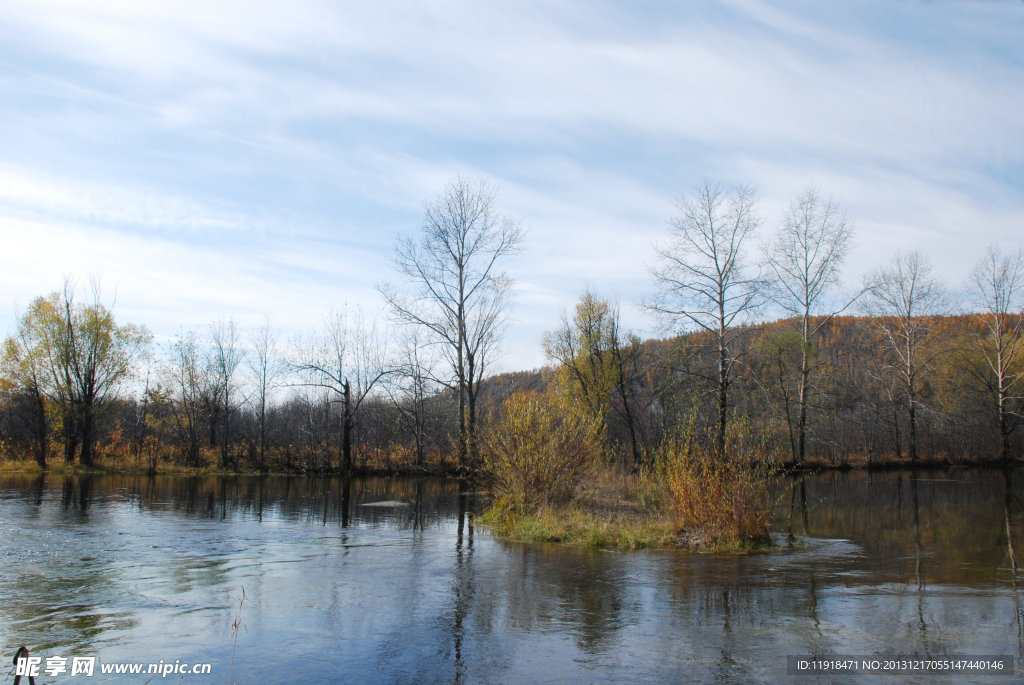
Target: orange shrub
721 499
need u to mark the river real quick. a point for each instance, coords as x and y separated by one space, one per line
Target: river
379 580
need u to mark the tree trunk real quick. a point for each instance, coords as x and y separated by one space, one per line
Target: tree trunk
346 435
805 373
912 429
85 456
41 431
471 392
723 397
1004 432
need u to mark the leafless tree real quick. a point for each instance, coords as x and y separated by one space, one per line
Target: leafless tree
264 363
185 375
703 279
804 258
411 385
461 296
346 359
226 355
996 286
906 301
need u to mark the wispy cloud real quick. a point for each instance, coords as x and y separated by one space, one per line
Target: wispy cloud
220 158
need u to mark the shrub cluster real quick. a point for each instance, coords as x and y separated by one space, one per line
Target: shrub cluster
536 452
722 499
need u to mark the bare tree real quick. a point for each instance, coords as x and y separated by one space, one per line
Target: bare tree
461 296
184 374
225 356
906 301
804 258
265 366
347 360
996 285
411 387
703 282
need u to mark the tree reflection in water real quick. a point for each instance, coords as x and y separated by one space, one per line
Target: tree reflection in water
342 590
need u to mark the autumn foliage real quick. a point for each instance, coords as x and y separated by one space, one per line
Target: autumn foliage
536 451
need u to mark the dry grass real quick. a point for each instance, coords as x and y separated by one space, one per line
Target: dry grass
612 510
158 458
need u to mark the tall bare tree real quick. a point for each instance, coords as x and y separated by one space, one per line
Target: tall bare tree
996 286
703 279
907 301
226 354
185 375
461 295
804 258
348 359
264 361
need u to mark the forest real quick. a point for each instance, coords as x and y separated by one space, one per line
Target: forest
759 337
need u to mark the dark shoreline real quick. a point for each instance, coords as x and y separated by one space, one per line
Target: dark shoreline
787 468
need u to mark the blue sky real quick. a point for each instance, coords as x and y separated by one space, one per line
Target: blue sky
226 159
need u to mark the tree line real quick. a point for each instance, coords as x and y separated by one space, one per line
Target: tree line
894 368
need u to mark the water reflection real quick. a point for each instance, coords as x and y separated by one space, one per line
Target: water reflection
390 580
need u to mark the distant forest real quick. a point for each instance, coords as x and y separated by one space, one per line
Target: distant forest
906 380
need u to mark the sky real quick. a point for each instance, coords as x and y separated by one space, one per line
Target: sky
235 159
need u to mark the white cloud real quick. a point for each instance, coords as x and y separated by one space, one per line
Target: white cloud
216 158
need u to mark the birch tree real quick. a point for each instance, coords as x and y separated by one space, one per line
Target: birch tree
804 258
185 375
703 279
265 367
907 301
226 355
411 385
996 286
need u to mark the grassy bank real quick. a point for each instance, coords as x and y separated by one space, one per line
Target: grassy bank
611 511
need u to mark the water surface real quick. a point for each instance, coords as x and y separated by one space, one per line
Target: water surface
389 581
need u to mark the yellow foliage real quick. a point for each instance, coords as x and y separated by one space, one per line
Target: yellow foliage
721 499
537 451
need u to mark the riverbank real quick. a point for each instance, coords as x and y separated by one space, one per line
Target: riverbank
893 462
401 462
615 511
443 467
611 511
